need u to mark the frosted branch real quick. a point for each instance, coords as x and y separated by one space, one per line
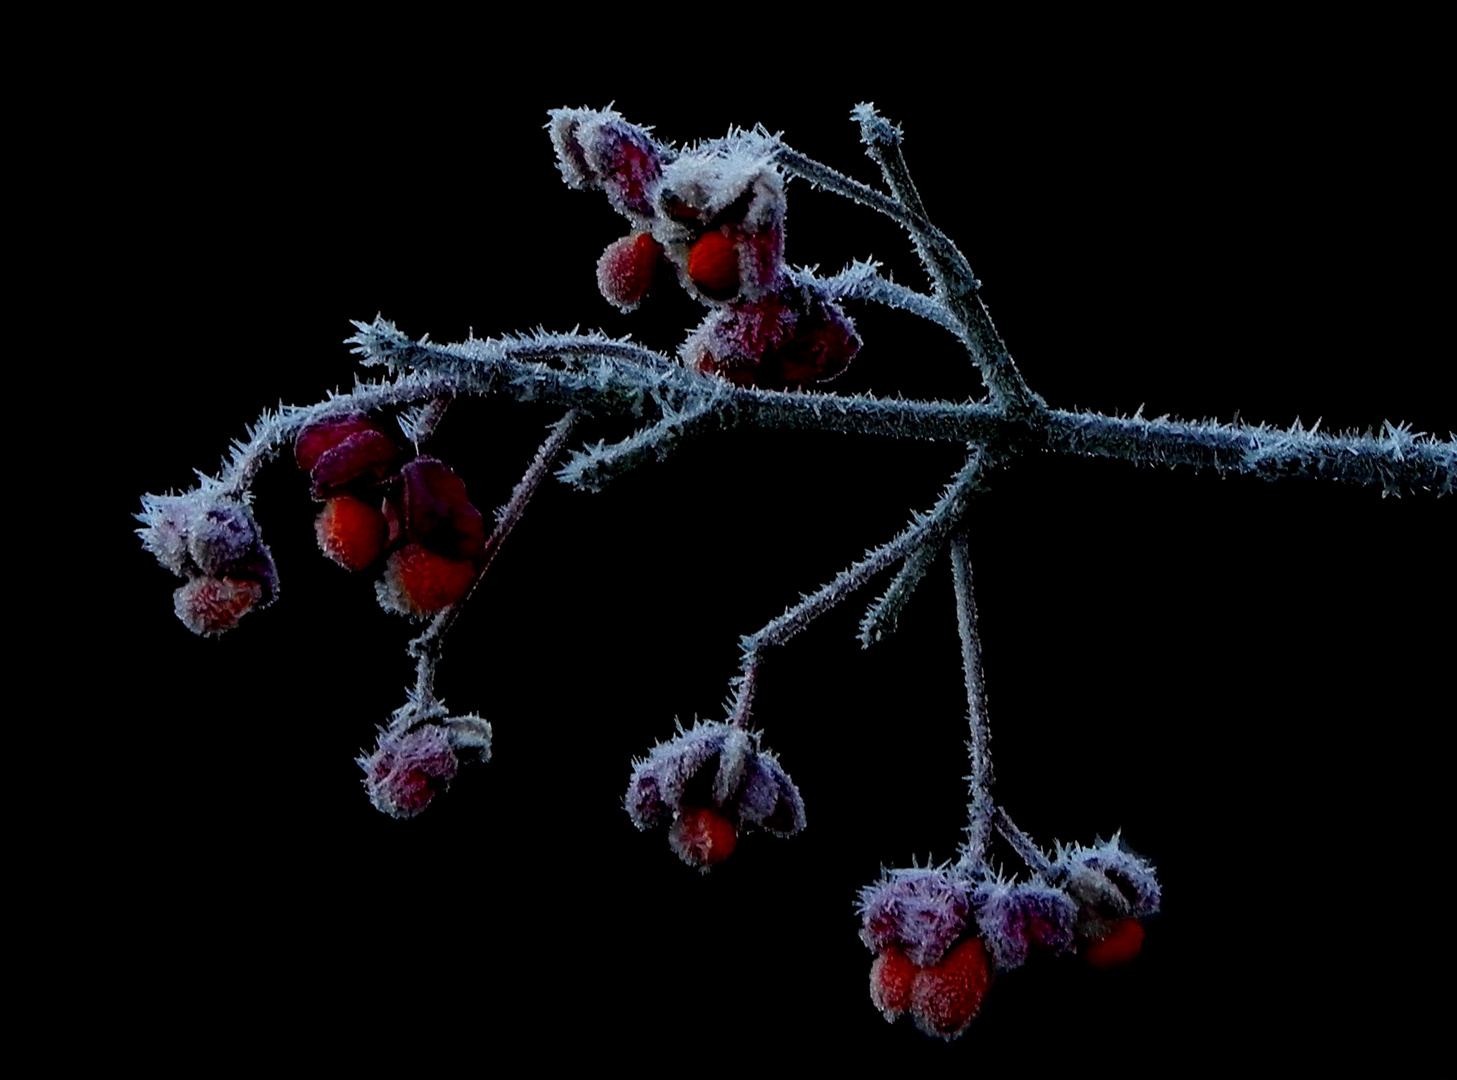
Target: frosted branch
979 811
1399 460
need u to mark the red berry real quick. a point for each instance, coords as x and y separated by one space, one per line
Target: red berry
210 605
946 997
1121 946
351 532
892 978
713 264
418 581
626 270
702 837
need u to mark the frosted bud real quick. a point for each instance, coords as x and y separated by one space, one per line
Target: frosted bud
1109 884
1029 914
599 149
921 911
407 768
715 767
211 539
199 532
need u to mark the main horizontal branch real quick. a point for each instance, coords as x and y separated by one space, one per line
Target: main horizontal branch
614 381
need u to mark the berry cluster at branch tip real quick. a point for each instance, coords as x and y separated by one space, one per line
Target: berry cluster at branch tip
714 213
941 933
209 537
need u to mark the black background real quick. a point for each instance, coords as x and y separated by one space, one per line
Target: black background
1207 216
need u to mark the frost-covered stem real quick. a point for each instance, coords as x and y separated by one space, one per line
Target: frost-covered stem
1397 460
955 284
427 647
1031 854
589 347
862 281
428 420
744 687
883 614
979 810
592 468
883 143
777 631
822 176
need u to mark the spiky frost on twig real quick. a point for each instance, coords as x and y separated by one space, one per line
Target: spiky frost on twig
1397 462
428 646
948 268
592 468
779 630
979 812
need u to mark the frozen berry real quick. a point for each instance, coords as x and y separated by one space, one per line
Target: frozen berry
713 264
947 997
418 581
1121 946
351 532
626 270
211 605
892 977
702 837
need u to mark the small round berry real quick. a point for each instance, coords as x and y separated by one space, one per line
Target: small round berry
419 582
892 978
713 264
702 837
947 997
211 605
627 268
351 532
1121 946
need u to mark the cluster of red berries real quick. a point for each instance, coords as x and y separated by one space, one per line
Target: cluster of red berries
382 504
715 215
942 998
940 933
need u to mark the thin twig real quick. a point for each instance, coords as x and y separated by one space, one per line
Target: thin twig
779 630
427 647
979 810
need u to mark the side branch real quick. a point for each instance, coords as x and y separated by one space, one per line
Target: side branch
926 528
948 268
